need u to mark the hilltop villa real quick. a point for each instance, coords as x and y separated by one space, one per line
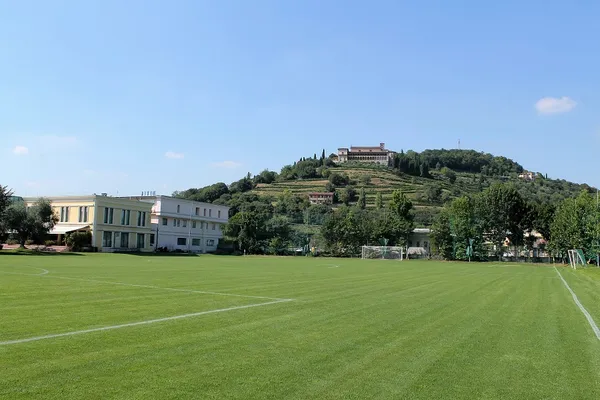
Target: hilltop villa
374 154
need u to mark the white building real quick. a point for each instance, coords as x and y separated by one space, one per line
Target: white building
187 225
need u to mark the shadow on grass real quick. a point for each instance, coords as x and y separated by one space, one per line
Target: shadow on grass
20 252
131 253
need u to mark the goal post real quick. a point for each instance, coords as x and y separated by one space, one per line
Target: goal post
576 257
382 252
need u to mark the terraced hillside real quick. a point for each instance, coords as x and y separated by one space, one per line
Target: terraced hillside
376 179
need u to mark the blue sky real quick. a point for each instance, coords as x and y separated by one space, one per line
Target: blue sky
125 96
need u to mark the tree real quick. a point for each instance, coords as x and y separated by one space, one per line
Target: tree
441 235
379 201
347 195
401 205
339 179
78 240
449 174
30 224
432 192
502 210
5 195
365 180
323 155
542 219
576 226
362 199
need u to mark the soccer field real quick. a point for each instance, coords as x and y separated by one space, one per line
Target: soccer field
102 326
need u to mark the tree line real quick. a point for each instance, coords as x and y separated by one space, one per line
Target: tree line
500 216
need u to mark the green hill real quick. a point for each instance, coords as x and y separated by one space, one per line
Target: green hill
429 179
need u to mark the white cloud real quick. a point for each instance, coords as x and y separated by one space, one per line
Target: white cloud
21 150
555 105
174 155
227 164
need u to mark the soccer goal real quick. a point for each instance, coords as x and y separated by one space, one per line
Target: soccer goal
382 252
576 257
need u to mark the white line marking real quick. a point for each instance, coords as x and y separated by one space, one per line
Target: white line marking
328 265
147 322
45 272
583 310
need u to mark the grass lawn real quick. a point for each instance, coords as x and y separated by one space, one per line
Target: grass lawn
354 329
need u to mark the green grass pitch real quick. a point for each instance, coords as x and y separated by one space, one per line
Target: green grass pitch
293 328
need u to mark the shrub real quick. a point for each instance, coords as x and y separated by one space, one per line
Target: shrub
50 243
12 242
78 240
29 242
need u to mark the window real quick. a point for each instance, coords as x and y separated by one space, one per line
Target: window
140 241
107 239
418 244
124 240
425 244
178 223
196 242
127 217
181 241
141 218
174 222
178 208
213 227
219 213
122 217
210 242
108 215
205 212
193 224
185 223
83 214
197 210
64 214
165 221
152 239
210 212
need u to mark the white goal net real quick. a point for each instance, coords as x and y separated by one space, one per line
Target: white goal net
576 258
382 252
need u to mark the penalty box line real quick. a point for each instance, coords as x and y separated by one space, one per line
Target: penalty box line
581 307
147 322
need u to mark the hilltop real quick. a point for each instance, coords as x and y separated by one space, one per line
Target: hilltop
429 179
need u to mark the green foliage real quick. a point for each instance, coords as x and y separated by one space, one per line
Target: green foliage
365 180
362 199
432 192
347 195
378 201
30 224
576 225
502 211
77 241
265 177
401 205
5 200
441 235
207 194
339 179
449 174
470 161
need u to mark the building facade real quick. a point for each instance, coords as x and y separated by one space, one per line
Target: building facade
116 224
320 198
185 225
365 154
